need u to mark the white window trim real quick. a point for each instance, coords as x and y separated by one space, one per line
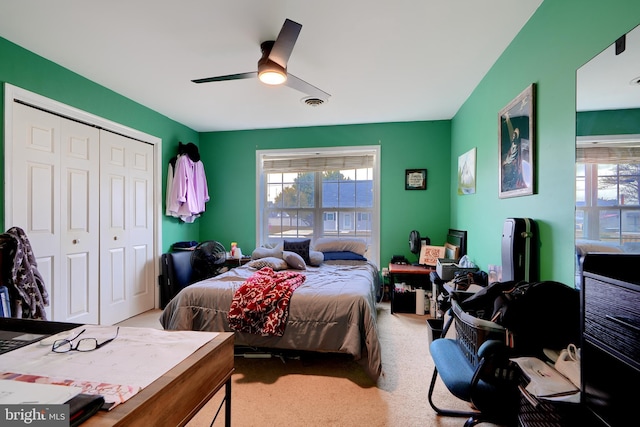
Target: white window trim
373 254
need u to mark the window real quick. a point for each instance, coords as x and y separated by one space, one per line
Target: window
319 193
608 194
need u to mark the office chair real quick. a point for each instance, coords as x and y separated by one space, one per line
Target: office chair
485 379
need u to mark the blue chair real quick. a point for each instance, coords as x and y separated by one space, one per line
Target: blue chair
484 378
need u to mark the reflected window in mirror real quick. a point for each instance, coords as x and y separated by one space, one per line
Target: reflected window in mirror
608 194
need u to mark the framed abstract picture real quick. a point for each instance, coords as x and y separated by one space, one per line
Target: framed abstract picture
517 145
467 172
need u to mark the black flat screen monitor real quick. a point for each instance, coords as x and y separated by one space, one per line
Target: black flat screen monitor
459 239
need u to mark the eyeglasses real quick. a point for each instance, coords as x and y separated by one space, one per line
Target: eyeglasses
85 344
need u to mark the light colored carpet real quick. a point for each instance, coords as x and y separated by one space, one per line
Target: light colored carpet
333 390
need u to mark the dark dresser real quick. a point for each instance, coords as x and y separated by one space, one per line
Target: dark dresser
610 360
610 350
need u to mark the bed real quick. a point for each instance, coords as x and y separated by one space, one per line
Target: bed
333 311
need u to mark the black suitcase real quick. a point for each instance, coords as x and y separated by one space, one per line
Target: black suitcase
176 273
520 250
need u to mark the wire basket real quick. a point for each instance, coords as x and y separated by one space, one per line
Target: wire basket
471 332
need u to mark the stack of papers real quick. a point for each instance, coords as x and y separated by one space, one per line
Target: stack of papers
545 382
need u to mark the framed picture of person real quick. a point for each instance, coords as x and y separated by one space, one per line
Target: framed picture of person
516 130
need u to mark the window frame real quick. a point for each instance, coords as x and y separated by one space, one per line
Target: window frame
373 253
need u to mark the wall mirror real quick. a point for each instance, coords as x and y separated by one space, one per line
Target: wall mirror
607 215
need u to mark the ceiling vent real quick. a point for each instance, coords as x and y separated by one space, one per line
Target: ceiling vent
312 101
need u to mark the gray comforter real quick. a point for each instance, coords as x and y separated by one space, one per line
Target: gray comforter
333 311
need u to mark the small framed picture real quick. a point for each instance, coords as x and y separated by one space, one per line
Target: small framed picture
467 172
415 179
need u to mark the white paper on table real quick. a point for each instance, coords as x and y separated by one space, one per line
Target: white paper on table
137 357
18 392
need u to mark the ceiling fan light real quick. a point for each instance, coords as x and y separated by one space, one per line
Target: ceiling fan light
272 77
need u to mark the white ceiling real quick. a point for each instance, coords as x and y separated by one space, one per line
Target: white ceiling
381 61
610 81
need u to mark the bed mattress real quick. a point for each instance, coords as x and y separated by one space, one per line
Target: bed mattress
333 311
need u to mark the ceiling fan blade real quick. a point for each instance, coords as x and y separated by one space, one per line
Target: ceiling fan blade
304 87
239 76
285 42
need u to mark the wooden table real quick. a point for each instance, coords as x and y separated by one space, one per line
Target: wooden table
410 272
174 398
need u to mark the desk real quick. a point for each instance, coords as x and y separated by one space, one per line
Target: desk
411 273
175 397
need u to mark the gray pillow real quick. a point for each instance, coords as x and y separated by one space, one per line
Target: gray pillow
294 260
334 244
273 262
316 258
265 251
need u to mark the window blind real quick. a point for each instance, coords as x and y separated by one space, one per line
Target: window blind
320 162
612 155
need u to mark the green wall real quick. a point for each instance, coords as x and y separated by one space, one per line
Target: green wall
230 162
608 122
31 72
560 37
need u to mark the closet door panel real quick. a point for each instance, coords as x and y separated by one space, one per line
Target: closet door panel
141 231
116 287
40 199
79 219
115 257
79 290
35 193
127 198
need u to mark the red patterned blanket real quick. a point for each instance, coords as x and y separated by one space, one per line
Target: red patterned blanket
261 304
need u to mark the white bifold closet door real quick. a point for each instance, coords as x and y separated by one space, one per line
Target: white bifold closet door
55 177
84 197
126 228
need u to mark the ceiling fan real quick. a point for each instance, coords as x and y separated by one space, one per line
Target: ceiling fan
272 66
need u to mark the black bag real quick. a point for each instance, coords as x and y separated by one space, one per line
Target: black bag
540 315
176 274
482 303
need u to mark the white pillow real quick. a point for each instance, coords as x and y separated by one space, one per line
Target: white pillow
294 260
332 244
273 262
315 258
265 251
